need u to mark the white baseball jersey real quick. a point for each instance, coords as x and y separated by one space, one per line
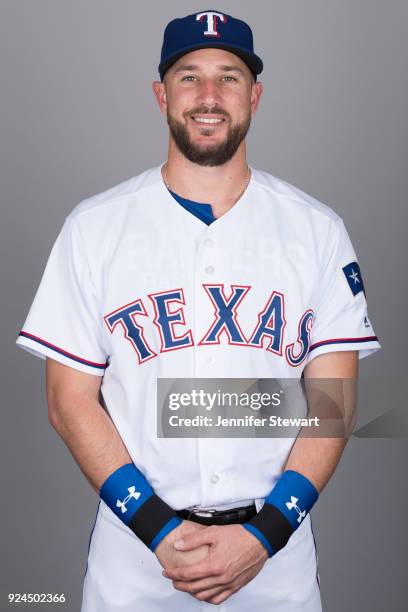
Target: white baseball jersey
138 288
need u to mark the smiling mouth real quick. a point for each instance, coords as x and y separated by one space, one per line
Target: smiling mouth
207 120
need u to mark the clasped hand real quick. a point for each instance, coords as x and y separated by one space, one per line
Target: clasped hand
210 563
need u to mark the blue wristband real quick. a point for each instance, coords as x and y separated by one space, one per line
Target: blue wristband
129 495
283 511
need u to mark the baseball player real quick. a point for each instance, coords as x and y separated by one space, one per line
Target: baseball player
200 267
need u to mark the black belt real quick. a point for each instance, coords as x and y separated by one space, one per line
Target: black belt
218 517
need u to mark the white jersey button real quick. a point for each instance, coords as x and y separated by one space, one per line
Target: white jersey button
215 478
210 269
209 242
211 360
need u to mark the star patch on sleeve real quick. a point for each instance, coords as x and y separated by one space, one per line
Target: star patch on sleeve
353 276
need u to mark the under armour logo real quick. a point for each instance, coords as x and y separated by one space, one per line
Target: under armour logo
212 17
293 504
132 494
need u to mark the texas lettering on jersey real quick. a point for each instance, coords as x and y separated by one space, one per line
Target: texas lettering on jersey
267 332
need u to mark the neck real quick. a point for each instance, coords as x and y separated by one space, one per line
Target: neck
220 186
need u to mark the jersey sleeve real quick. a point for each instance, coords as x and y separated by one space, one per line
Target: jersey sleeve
341 321
64 321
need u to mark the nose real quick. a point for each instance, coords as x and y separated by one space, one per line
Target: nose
209 92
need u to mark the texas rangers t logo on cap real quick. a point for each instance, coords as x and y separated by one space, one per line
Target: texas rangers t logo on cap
211 22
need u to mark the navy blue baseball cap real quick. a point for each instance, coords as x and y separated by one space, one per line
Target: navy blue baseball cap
208 29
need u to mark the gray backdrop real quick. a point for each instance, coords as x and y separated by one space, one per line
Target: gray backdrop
78 116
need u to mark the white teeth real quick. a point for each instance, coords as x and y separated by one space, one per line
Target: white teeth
207 120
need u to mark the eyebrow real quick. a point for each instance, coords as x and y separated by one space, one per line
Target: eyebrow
192 67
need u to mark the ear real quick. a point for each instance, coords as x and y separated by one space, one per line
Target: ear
159 91
256 93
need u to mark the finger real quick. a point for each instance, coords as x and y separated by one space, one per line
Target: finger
221 597
208 594
195 586
194 539
203 569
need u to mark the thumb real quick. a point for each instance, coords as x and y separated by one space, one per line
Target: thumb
194 539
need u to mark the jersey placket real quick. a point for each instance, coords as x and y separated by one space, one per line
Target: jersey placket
210 451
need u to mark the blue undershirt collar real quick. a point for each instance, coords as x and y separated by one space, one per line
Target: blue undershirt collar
201 211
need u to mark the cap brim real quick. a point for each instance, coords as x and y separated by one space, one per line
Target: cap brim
253 62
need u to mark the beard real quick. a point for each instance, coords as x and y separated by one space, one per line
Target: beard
211 155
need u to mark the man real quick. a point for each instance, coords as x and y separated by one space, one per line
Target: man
202 267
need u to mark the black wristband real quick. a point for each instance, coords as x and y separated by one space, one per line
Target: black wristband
152 518
273 526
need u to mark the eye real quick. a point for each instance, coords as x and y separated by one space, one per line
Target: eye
229 78
188 77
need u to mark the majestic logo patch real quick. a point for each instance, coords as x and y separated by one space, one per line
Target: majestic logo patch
354 278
